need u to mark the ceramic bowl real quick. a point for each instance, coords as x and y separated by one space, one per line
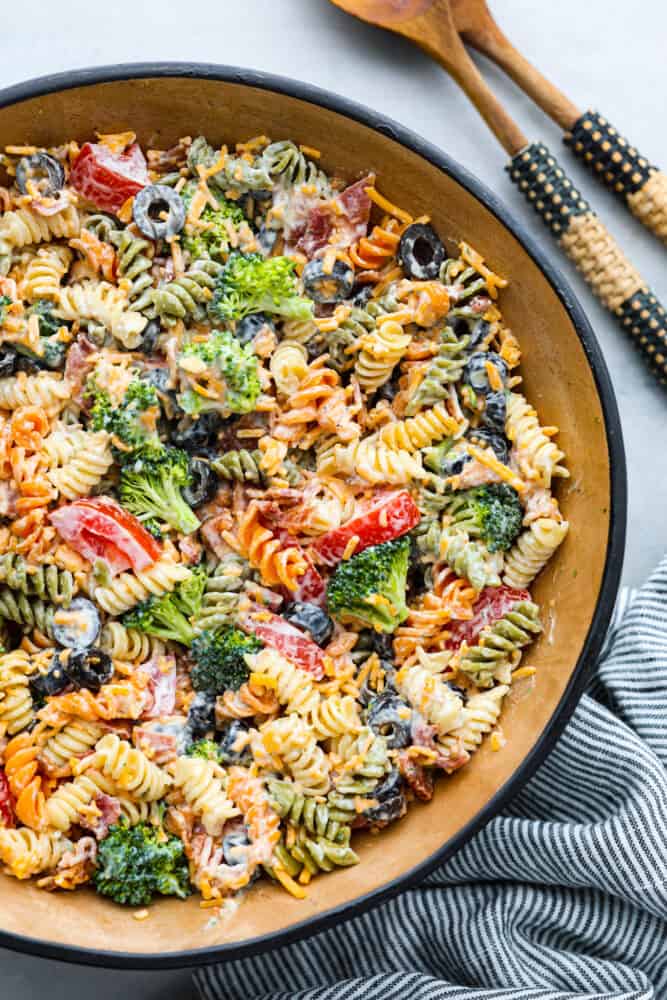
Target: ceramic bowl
565 378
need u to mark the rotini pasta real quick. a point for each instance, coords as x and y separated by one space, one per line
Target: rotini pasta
347 425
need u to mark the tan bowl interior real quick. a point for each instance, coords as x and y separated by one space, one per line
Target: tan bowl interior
558 381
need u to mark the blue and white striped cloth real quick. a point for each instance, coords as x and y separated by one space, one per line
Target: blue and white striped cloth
562 896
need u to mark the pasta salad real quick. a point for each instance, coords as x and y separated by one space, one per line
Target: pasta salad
272 501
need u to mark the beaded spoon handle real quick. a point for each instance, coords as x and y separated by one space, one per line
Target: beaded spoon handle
600 146
542 180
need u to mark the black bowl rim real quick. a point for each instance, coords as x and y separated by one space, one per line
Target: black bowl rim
40 86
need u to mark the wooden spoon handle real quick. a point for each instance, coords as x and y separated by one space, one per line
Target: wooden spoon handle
618 165
594 250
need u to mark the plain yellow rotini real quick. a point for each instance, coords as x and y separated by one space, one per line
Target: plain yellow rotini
22 227
69 743
74 800
431 697
480 715
128 767
532 551
335 715
380 352
63 443
372 461
295 742
106 304
26 853
129 589
202 784
129 644
288 365
45 273
419 432
85 469
45 389
294 687
537 456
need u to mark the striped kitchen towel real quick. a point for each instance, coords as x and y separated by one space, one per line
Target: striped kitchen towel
562 896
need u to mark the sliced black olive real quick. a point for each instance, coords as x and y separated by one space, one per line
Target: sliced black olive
229 753
43 170
78 625
9 360
361 295
266 239
89 668
390 800
201 716
310 618
248 328
495 412
53 681
203 483
387 716
233 845
194 435
367 694
490 439
421 252
149 336
480 332
382 644
328 286
150 204
475 373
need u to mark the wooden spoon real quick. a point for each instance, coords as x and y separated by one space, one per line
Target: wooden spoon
611 158
571 220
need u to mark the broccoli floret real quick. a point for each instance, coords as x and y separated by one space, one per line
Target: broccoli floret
52 352
369 589
151 481
492 512
123 421
219 659
207 749
4 302
226 360
212 240
134 863
250 283
49 323
168 616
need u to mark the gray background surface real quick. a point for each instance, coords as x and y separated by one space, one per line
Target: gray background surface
599 51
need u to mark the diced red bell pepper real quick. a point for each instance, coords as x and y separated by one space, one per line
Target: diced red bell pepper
98 527
108 179
285 638
492 604
6 802
388 516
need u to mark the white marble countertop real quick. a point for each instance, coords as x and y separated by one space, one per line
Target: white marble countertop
601 53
